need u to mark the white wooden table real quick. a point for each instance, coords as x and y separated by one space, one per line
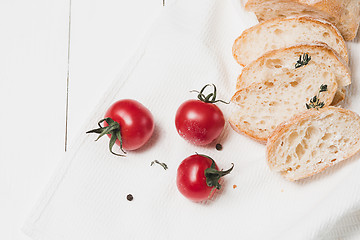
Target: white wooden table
52 53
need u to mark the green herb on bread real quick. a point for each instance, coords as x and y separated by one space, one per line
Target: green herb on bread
315 101
303 60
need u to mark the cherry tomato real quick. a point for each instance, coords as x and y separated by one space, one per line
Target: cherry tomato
198 177
128 124
200 121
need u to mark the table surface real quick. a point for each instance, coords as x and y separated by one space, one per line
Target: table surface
57 58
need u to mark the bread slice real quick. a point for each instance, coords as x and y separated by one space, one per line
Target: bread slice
284 59
344 14
285 32
339 96
312 141
264 105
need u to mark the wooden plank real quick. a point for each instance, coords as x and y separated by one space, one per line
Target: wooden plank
33 63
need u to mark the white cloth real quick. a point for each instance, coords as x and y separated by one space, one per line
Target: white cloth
188 47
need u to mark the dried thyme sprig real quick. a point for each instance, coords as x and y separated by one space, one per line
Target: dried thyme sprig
303 60
160 163
315 101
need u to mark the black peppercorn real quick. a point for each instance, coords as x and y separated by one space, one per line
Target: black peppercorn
129 197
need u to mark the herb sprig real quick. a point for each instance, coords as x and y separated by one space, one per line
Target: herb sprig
315 101
160 163
303 60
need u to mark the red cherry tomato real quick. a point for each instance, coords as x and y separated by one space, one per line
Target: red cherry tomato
136 122
198 177
200 121
129 121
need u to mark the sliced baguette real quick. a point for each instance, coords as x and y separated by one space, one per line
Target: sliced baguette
339 96
284 60
344 14
284 32
312 141
264 105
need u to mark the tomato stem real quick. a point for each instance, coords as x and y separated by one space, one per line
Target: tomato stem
210 98
213 175
113 129
160 163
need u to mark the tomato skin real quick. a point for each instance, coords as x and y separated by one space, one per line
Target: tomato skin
136 123
191 180
198 122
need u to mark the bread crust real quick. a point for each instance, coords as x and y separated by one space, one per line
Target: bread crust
248 133
339 96
239 128
344 14
284 127
274 21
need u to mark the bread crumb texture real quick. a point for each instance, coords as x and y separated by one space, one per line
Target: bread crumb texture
314 141
285 32
262 106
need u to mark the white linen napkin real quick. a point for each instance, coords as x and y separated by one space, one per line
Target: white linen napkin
188 47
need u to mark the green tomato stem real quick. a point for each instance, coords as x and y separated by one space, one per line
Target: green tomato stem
113 129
